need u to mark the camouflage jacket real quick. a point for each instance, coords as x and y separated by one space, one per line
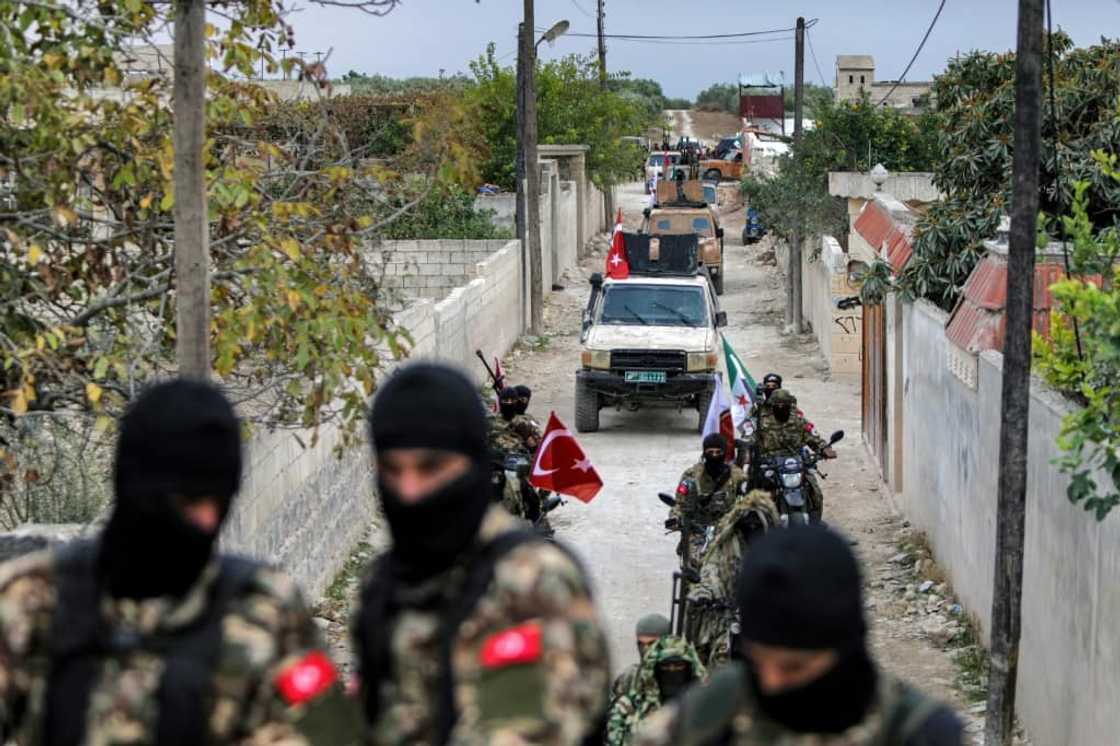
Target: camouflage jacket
712 599
526 428
710 502
724 712
780 438
530 662
268 640
503 438
644 696
623 681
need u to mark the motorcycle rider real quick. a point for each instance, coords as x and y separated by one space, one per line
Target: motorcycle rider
711 602
782 430
806 674
669 666
706 491
649 628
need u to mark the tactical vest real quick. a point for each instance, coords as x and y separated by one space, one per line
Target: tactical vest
709 715
81 639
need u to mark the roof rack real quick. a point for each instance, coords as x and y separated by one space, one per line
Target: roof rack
672 193
677 256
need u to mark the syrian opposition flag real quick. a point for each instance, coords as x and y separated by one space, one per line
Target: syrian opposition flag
617 266
719 418
561 465
741 384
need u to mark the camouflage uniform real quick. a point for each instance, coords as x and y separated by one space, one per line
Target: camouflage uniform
554 695
624 681
266 633
644 696
503 440
724 712
525 427
712 600
706 507
776 438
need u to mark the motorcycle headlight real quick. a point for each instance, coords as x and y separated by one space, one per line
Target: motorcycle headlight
791 480
600 359
701 361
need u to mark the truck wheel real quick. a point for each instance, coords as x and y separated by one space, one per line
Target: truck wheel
703 402
717 282
713 174
587 408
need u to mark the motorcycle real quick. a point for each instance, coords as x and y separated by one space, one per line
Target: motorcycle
785 477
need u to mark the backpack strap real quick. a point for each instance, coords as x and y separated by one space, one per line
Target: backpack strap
81 640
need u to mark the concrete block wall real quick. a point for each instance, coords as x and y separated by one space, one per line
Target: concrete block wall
1068 687
824 283
431 268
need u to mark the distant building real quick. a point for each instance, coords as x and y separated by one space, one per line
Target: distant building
855 76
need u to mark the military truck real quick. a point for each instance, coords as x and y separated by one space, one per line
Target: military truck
680 210
653 338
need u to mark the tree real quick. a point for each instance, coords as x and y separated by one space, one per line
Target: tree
299 324
719 97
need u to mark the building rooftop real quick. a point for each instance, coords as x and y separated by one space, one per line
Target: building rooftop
855 61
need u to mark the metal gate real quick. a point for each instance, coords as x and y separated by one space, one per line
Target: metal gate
875 385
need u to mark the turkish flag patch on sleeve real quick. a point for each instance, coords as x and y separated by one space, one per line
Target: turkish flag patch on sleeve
307 678
513 646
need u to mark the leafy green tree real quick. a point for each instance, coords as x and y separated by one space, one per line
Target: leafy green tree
816 96
719 97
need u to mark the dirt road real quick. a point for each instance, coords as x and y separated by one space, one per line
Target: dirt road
620 533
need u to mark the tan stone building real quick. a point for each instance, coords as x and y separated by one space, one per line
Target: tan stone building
855 75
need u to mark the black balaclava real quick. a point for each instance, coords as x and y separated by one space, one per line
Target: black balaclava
524 395
715 467
781 404
672 679
651 625
428 536
800 588
508 402
179 440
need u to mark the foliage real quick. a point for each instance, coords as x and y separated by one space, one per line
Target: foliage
814 98
974 124
1082 354
844 136
381 85
299 329
647 91
677 103
571 108
443 211
719 97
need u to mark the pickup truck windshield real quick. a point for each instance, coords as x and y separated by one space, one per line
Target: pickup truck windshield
659 160
653 305
680 225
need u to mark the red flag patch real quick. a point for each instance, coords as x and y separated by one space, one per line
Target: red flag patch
306 679
511 647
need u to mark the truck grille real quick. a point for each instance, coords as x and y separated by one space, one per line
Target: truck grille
671 361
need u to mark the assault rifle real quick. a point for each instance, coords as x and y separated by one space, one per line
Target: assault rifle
678 605
497 382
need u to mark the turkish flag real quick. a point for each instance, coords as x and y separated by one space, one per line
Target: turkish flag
561 465
307 678
513 646
617 266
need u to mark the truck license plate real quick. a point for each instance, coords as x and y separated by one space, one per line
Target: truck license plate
645 376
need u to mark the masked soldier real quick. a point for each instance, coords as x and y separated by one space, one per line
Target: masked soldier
147 635
521 422
806 675
649 628
783 431
771 382
711 602
470 629
667 669
706 492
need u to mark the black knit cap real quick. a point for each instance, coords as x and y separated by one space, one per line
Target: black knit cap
180 438
426 405
800 588
715 440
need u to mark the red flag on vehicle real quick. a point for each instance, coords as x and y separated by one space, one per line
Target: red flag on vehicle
617 266
561 465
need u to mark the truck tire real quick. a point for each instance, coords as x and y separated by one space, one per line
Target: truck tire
587 408
713 174
717 281
703 402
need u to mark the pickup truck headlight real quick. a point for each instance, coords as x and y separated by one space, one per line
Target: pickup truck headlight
600 359
700 361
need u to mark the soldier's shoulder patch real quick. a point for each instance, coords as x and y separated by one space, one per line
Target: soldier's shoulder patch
306 678
511 646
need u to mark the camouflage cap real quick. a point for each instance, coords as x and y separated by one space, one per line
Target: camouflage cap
652 625
783 396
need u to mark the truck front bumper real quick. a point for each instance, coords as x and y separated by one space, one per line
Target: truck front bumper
680 387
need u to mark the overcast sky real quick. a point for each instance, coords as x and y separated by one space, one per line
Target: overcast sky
421 37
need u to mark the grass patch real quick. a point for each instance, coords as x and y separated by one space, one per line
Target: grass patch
337 596
972 663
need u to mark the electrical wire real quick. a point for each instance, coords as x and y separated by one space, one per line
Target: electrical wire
581 9
813 54
918 51
717 43
639 37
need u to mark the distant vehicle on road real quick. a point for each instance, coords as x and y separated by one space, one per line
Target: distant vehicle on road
728 168
753 231
655 165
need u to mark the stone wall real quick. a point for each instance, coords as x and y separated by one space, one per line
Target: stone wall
431 268
824 283
1068 687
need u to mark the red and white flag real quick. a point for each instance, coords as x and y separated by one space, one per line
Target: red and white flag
499 384
719 417
562 466
617 266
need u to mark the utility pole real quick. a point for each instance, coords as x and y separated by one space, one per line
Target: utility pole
192 261
519 158
1007 587
608 192
793 299
532 172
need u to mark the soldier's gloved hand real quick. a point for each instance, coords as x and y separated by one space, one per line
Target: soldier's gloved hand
829 452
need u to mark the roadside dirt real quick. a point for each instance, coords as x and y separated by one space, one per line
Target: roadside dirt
710 126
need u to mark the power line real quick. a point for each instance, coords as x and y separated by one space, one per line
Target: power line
717 43
581 9
918 51
814 56
632 37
